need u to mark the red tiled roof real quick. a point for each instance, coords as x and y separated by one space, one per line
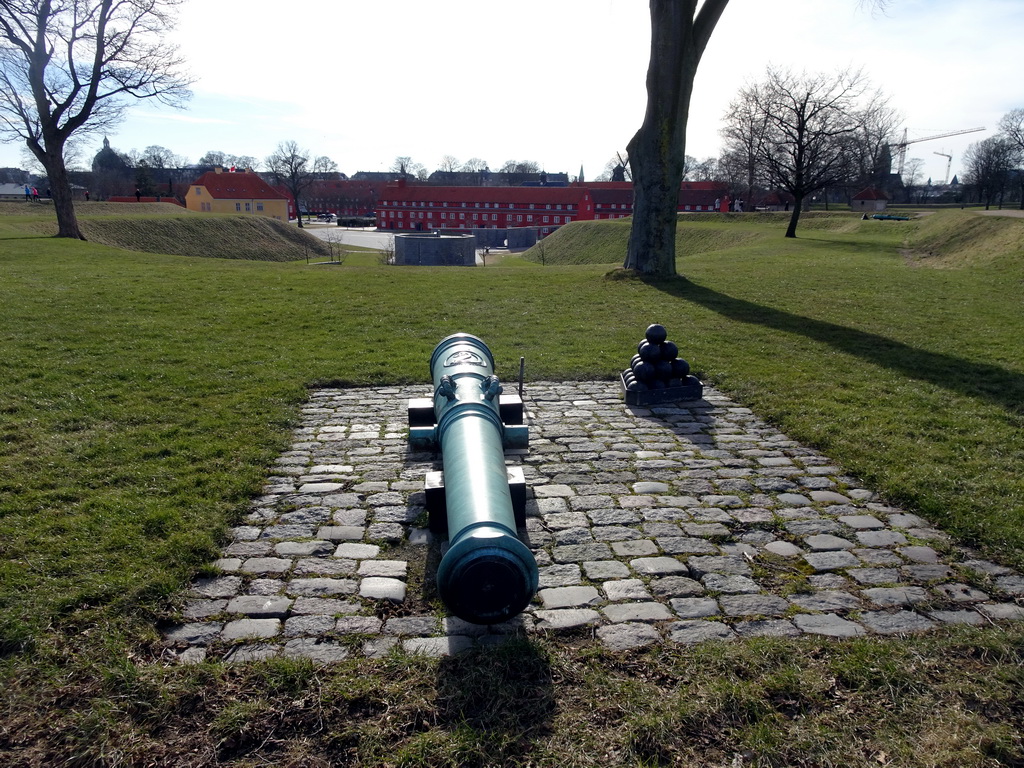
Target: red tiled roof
237 186
870 193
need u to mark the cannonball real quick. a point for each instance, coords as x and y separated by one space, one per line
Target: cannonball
663 370
680 368
669 351
656 333
635 386
644 372
650 353
634 360
657 384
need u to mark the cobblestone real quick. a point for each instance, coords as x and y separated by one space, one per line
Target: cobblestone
650 525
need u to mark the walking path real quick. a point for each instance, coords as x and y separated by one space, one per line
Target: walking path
670 524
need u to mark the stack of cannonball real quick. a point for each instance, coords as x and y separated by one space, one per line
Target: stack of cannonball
656 364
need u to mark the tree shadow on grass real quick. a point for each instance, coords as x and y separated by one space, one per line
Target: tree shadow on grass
981 381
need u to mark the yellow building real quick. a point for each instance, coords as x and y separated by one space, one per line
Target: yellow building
244 192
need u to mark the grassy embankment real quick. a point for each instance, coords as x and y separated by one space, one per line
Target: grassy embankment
170 229
143 396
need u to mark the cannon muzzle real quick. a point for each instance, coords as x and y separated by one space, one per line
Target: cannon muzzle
487 575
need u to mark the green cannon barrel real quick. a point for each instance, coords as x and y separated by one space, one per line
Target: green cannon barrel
487 575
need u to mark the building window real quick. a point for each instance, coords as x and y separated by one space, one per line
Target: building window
558 219
259 206
546 218
199 190
248 207
519 217
529 217
238 207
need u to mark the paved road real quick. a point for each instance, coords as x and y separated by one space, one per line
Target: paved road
367 238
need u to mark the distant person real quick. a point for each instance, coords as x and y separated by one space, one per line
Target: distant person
35 194
138 195
28 193
87 195
48 195
739 206
718 203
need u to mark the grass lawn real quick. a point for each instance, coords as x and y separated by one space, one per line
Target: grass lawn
144 395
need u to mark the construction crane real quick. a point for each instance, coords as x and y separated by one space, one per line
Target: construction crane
949 164
901 146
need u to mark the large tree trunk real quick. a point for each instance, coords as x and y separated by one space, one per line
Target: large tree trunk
52 159
657 151
794 217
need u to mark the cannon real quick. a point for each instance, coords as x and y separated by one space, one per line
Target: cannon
488 575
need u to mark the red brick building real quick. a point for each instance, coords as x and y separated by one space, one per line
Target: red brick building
344 197
416 207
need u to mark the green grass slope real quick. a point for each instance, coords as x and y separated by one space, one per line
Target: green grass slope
603 242
962 238
171 229
143 397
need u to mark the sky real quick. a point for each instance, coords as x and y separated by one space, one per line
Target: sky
558 82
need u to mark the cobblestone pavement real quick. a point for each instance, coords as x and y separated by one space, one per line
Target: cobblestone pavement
670 524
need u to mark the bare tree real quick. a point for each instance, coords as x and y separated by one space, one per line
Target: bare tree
216 158
245 162
744 131
1012 126
70 66
473 165
291 167
520 166
156 156
912 172
809 125
406 167
875 134
988 165
449 164
679 34
704 170
386 254
325 168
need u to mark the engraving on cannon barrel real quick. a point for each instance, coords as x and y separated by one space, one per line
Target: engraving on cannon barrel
463 357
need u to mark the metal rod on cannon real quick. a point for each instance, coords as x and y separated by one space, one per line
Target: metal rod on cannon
487 575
